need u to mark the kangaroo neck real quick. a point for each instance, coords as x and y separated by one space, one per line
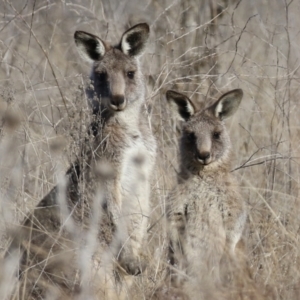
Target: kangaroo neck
129 116
206 173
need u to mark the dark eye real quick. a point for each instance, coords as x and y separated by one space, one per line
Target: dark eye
191 136
216 135
102 76
130 74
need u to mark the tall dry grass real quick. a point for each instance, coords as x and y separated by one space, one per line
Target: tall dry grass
202 48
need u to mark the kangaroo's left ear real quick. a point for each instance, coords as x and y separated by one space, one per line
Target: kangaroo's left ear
184 105
89 46
134 39
227 104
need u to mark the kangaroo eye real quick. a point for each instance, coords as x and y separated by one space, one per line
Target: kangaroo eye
130 74
191 137
102 76
216 135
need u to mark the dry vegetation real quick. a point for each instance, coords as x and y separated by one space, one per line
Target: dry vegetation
202 48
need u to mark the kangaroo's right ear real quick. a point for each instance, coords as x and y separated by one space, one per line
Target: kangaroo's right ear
227 104
184 105
89 46
134 40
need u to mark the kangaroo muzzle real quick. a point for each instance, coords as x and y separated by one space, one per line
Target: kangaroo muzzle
204 157
117 102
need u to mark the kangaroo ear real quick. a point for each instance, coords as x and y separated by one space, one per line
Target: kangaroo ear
184 105
228 104
89 46
134 39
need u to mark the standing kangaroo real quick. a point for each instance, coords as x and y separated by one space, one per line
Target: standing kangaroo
206 215
124 148
124 139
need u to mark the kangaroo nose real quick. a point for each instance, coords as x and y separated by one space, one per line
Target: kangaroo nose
117 102
203 157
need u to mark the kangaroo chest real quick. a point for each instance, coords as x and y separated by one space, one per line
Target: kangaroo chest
131 153
117 143
204 204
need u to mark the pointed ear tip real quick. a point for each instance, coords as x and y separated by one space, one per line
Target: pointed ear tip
78 34
170 94
145 26
142 28
239 92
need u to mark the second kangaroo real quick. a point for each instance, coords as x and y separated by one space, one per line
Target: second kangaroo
206 214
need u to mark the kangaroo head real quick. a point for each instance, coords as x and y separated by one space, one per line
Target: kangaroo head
116 74
205 142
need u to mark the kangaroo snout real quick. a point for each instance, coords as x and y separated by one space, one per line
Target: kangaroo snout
203 157
117 102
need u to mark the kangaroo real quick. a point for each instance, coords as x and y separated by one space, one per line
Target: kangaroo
117 163
125 139
206 214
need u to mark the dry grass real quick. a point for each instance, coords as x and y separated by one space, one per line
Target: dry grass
202 48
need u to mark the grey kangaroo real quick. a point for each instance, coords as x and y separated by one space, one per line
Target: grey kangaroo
117 163
206 214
